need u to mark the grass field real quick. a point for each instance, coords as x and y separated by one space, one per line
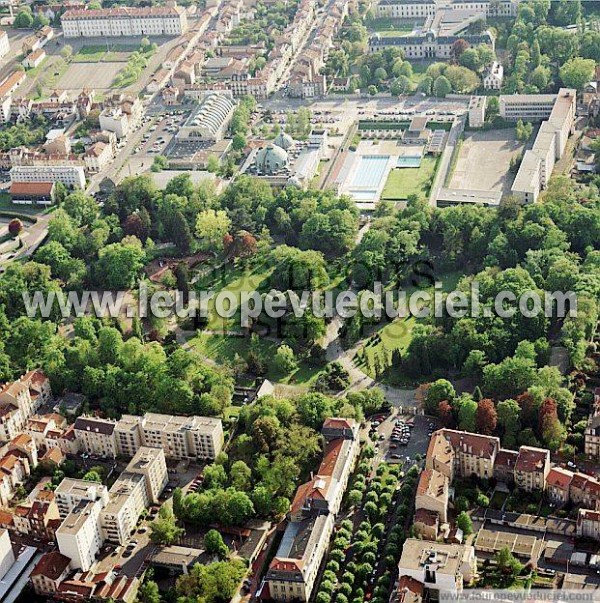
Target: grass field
396 335
396 26
237 282
106 53
222 349
403 182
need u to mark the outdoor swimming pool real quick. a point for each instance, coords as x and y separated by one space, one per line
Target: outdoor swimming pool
409 161
370 171
363 195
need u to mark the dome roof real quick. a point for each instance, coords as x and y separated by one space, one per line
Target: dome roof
271 159
283 140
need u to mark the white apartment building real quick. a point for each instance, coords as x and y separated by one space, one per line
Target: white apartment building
137 487
96 436
7 556
151 464
441 567
79 537
70 492
70 176
124 21
477 105
179 437
493 77
559 111
4 44
127 500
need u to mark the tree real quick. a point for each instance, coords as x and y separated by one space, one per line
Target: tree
550 429
119 264
211 228
577 72
459 47
214 544
401 85
15 227
508 563
160 163
92 476
441 87
486 417
285 361
239 142
240 475
148 592
463 521
23 20
164 529
66 52
372 90
439 390
467 413
509 419
212 583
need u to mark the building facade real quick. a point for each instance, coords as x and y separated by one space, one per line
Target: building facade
124 21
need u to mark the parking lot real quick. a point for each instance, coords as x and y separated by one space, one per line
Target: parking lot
391 434
155 141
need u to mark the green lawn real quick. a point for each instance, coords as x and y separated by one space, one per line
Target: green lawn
388 26
89 54
396 335
236 281
403 182
223 348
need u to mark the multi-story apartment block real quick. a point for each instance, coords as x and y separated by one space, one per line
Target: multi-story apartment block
136 488
96 436
559 112
292 573
70 492
79 537
7 556
180 437
438 566
588 524
51 570
39 518
124 21
432 493
150 463
127 500
465 454
558 485
21 399
532 468
70 176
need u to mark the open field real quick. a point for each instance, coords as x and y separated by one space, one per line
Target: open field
99 76
223 349
104 53
403 182
484 159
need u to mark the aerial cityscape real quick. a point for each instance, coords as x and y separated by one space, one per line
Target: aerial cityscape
299 300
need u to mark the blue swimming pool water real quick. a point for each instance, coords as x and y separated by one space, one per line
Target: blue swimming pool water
370 170
409 161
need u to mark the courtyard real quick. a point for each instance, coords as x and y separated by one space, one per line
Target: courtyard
483 162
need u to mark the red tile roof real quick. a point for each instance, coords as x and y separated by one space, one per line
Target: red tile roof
559 478
531 459
32 188
52 565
